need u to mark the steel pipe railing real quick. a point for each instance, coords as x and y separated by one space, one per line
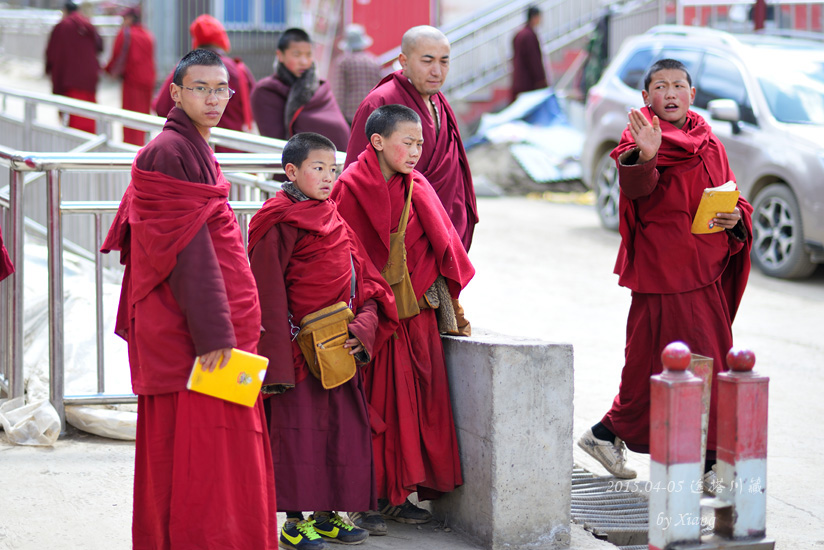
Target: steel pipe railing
55 165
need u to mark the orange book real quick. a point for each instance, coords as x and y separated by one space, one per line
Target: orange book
239 381
723 198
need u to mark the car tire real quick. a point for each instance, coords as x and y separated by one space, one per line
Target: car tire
778 236
605 186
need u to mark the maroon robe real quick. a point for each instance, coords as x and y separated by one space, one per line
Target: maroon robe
413 432
528 71
238 113
321 441
133 60
320 115
684 287
6 267
71 60
443 160
177 236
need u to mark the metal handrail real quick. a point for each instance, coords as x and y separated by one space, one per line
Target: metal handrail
108 115
54 165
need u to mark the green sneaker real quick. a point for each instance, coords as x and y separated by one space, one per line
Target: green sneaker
331 527
300 535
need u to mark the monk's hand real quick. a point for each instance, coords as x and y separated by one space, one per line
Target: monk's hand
353 345
727 221
215 359
647 136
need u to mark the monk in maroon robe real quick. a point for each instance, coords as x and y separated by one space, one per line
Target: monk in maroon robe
71 60
6 267
133 61
414 438
425 61
203 467
305 258
528 71
685 287
208 33
293 100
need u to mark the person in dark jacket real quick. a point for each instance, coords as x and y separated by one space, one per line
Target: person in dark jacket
527 62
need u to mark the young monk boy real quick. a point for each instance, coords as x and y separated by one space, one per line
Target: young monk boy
306 258
414 439
203 467
684 286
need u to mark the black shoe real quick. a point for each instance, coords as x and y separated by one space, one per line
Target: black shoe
370 521
332 528
405 513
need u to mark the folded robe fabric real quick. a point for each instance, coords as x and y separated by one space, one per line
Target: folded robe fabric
6 267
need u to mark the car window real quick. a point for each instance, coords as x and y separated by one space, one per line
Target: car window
690 58
632 73
719 78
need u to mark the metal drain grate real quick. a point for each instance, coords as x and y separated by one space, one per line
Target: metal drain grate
601 505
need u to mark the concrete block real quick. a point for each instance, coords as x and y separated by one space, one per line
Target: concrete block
512 402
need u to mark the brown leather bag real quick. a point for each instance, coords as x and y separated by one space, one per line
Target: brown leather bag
395 272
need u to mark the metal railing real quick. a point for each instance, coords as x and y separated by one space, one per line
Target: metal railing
85 183
55 166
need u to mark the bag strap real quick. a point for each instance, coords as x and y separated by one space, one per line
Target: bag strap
405 213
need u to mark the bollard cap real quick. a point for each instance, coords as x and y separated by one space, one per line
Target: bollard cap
740 360
676 357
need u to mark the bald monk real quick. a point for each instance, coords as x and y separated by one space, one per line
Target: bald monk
203 466
424 60
6 267
413 432
208 33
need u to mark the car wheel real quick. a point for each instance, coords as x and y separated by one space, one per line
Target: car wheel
606 191
778 238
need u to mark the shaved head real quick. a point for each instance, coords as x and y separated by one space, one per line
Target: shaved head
413 37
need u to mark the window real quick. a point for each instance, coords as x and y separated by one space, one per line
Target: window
632 73
251 14
720 79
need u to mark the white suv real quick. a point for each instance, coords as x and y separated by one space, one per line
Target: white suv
764 98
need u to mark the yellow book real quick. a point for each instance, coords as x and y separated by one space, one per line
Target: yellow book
239 381
723 198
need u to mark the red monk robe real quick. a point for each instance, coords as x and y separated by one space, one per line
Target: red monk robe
133 61
528 71
320 114
71 60
321 441
6 267
413 432
684 287
238 113
443 160
203 470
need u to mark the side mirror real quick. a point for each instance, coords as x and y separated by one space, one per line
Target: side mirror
726 110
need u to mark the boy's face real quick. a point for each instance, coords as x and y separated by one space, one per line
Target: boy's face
315 176
400 151
670 96
297 57
204 111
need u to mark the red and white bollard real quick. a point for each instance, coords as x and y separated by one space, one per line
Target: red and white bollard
742 448
675 451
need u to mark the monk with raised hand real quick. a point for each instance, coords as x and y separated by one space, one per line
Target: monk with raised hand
203 466
685 287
